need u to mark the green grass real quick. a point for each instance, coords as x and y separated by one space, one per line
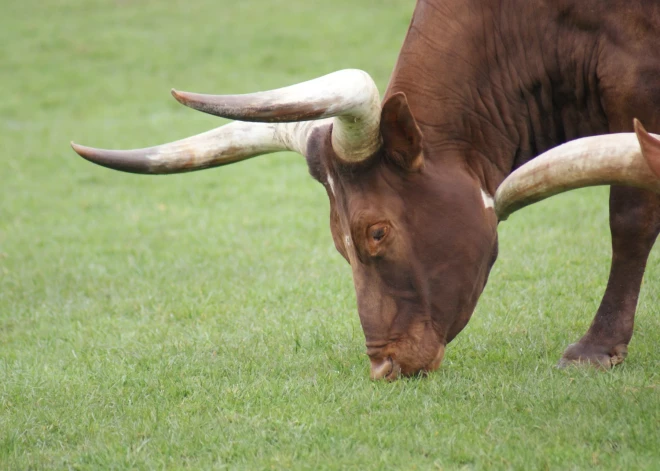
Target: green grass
205 321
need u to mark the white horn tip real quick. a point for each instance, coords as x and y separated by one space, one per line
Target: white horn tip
84 151
77 148
181 97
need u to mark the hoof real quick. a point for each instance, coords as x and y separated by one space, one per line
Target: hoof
594 355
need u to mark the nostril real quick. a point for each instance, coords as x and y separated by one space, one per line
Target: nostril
380 368
384 368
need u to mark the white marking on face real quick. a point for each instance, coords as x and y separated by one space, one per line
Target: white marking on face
488 200
331 182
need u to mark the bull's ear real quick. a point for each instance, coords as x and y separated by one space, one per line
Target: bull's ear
402 138
650 147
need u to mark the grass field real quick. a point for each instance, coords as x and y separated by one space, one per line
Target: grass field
205 321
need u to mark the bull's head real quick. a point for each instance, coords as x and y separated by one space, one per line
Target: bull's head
417 229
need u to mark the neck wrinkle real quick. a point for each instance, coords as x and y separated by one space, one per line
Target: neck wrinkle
503 86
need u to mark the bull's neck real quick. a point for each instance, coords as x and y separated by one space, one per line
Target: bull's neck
497 81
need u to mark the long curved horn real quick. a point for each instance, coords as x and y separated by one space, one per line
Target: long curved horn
350 96
629 159
221 146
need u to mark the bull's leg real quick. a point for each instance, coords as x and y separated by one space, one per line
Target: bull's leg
635 224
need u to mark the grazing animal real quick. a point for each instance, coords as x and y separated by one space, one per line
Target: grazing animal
492 105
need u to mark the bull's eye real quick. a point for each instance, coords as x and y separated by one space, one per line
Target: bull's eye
378 232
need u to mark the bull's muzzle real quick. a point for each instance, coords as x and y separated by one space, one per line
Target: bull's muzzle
389 369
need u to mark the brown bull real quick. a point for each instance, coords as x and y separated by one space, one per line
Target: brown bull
418 184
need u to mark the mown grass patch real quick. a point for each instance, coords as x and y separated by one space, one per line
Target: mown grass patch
205 320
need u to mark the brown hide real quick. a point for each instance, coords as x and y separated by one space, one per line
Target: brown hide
480 87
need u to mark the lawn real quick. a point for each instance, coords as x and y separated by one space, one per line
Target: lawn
205 321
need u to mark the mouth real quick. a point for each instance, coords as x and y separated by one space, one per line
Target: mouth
437 361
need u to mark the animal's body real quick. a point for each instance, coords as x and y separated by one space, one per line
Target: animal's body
480 88
503 81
